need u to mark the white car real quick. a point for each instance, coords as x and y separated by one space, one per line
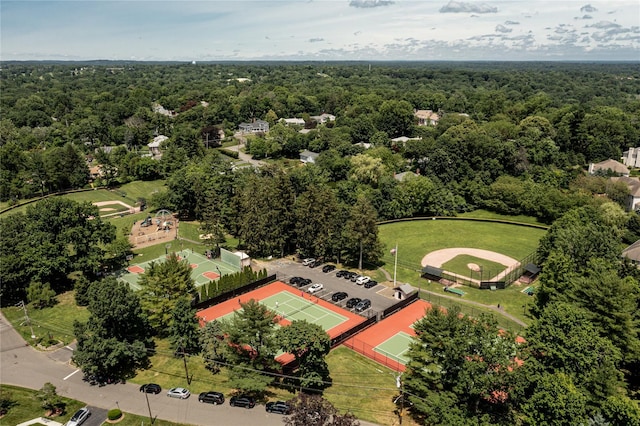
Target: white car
308 261
79 417
181 393
315 288
362 280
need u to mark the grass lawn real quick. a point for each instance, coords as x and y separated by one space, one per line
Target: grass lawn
485 214
353 377
27 407
190 230
57 320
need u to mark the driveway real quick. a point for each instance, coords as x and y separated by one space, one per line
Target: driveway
379 295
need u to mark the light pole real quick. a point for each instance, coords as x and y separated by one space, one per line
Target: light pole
219 276
394 251
148 405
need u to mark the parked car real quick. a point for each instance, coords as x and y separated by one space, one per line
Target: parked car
354 277
304 282
349 275
151 388
351 303
315 288
328 268
279 407
211 397
181 393
363 279
308 261
363 305
341 273
295 280
242 401
339 296
315 263
79 417
370 283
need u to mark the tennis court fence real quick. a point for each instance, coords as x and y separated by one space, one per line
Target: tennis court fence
379 356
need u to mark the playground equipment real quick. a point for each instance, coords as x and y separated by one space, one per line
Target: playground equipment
146 222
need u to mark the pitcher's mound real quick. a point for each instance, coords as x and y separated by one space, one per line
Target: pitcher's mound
473 267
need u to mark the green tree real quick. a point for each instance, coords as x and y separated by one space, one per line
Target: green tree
366 169
556 401
213 345
41 295
318 222
163 285
621 411
251 346
49 399
115 340
395 118
314 410
309 344
361 242
184 331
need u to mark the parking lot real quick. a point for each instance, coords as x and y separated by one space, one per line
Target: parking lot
285 270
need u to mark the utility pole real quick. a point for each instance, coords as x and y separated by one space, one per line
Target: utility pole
27 320
148 405
184 358
395 264
399 386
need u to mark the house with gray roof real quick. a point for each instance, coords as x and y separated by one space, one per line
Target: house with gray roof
307 156
633 199
609 166
257 126
633 253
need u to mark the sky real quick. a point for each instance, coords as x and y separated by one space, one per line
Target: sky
319 30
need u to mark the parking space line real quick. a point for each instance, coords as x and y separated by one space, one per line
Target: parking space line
71 374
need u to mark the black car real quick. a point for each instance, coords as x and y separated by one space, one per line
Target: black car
151 388
351 303
304 282
350 276
341 273
370 283
328 268
279 407
242 401
211 397
363 305
339 296
295 280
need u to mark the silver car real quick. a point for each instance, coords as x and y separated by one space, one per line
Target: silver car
181 393
79 417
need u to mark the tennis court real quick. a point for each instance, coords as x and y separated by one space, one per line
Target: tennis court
203 269
395 347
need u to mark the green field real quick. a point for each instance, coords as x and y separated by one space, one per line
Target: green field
25 406
459 265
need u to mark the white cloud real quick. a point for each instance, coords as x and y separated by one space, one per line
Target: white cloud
465 7
511 23
604 24
584 17
588 8
502 29
315 39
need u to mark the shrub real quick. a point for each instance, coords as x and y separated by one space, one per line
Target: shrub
229 153
114 414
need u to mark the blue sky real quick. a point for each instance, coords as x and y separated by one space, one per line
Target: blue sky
320 30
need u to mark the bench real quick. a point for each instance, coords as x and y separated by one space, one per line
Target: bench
454 291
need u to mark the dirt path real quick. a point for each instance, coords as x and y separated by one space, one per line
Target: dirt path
439 257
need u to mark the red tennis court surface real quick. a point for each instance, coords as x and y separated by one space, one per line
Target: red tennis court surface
210 275
261 293
367 340
135 269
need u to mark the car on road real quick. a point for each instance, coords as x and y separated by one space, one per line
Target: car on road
328 268
339 296
211 397
308 261
363 305
79 417
363 279
151 388
279 407
351 303
370 283
315 288
242 401
181 393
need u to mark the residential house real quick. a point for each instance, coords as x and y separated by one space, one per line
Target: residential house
257 126
293 121
365 145
402 176
633 199
609 166
404 139
631 158
154 146
633 253
307 156
426 117
323 118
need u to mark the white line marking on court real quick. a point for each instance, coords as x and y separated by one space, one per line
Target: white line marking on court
71 374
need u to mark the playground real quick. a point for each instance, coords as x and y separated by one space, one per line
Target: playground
203 269
387 342
289 305
161 228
